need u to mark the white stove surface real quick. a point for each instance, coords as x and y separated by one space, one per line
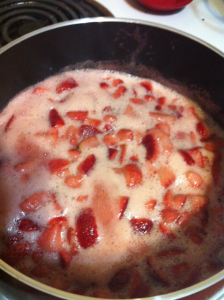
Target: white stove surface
203 19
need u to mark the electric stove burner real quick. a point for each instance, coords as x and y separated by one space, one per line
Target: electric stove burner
21 17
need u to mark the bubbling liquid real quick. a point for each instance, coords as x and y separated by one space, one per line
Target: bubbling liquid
110 186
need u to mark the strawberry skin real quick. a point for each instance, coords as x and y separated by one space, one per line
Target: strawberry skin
187 157
66 85
87 165
132 174
27 225
152 148
55 119
142 226
86 131
57 164
51 239
86 228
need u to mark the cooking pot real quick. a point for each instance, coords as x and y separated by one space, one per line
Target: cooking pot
166 55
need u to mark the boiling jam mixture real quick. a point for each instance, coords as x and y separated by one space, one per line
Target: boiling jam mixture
110 186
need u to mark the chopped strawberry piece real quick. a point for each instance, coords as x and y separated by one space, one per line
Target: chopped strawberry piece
55 119
109 118
169 215
134 158
168 199
149 98
194 179
86 131
132 174
88 143
74 154
137 101
63 221
107 109
86 166
123 203
129 111
180 270
158 273
74 181
166 231
110 139
66 85
27 225
202 130
63 172
65 258
78 115
119 92
151 204
142 225
34 202
82 198
139 288
166 176
164 126
164 139
214 144
216 167
125 135
86 228
193 137
39 90
112 153
161 101
94 122
51 239
162 117
108 127
7 126
198 202
16 253
147 85
117 81
178 201
180 135
152 147
170 252
197 156
25 167
187 158
71 134
56 165
104 85
196 234
123 153
121 279
42 271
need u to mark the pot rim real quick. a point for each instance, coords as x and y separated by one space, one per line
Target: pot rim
66 295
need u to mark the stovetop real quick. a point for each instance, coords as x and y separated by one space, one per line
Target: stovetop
202 19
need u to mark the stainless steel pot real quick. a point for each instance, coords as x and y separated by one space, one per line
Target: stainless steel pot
141 48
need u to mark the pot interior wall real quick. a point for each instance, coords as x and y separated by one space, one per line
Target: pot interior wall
174 56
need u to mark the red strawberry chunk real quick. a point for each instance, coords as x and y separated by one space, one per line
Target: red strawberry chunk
147 85
78 115
51 239
166 176
119 92
194 179
196 234
121 279
58 220
55 119
7 126
178 201
112 153
66 85
65 258
125 135
110 139
139 288
142 225
187 158
104 85
167 232
74 154
202 130
15 254
168 199
196 154
86 166
198 202
117 81
74 181
34 202
56 165
137 101
87 143
183 219
152 147
109 118
162 117
86 131
214 144
132 174
123 152
123 203
86 228
151 204
169 215
27 225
